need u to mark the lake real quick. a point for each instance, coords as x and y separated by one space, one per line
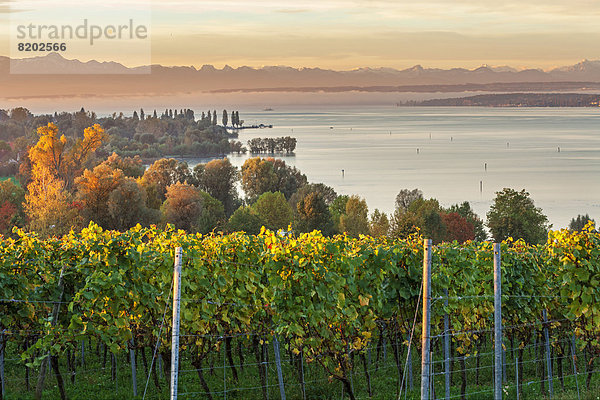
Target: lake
553 153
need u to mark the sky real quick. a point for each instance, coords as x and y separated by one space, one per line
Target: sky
338 34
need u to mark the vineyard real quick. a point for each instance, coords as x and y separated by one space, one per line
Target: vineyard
301 317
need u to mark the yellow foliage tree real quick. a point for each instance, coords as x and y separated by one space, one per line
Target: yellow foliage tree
61 159
55 162
48 205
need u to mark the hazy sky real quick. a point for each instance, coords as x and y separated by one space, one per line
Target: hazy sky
347 34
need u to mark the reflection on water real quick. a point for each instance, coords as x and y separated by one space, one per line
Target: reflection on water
377 149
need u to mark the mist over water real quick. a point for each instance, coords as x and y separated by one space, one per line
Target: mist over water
376 146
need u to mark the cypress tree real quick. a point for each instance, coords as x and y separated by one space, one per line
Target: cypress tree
225 118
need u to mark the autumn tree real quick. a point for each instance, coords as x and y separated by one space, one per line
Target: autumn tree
127 206
63 158
258 177
464 210
457 228
312 213
48 204
188 208
327 192
379 225
355 219
93 191
403 224
513 214
218 178
161 174
130 166
270 175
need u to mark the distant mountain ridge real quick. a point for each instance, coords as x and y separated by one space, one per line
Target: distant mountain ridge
71 77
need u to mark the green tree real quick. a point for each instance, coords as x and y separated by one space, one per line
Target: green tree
578 223
327 192
289 179
406 197
403 224
513 214
243 219
274 210
225 118
355 219
429 218
12 197
219 178
213 213
379 225
336 209
214 118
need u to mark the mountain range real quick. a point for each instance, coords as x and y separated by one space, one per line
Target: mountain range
53 75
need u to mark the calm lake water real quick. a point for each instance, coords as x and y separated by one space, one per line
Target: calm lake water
377 149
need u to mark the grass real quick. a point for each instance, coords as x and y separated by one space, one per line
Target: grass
95 381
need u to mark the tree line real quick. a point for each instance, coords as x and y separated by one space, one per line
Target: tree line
149 135
64 185
285 144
